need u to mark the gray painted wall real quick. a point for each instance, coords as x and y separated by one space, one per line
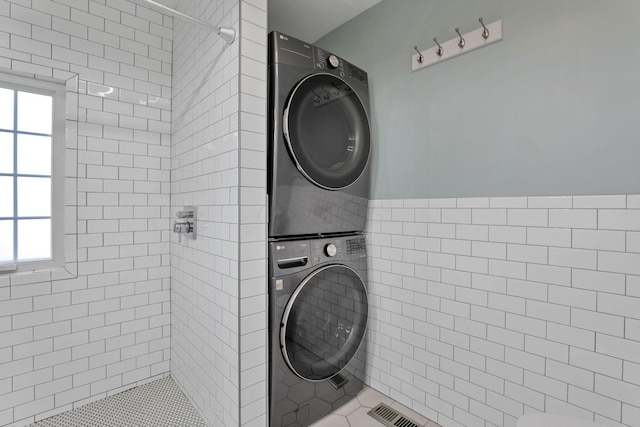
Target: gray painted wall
553 109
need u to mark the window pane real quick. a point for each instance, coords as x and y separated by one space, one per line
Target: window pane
6 152
6 108
6 196
34 239
34 197
35 112
34 155
6 240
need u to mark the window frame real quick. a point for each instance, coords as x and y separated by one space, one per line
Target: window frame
58 92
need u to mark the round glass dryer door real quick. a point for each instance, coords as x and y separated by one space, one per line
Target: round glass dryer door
324 322
327 131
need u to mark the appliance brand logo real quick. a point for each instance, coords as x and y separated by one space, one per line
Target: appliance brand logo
283 37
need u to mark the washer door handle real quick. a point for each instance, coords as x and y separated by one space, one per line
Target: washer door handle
293 262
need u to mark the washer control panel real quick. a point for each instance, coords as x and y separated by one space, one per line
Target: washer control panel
294 255
325 249
356 245
338 249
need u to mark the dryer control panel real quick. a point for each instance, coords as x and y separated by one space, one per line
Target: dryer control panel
291 51
327 60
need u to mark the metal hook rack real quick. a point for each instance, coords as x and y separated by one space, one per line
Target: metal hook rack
463 43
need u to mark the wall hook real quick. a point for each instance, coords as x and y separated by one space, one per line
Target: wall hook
485 33
420 57
440 50
461 42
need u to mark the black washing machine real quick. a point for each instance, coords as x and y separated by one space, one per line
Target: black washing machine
319 141
317 321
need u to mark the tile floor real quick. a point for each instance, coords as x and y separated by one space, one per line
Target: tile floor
355 412
162 403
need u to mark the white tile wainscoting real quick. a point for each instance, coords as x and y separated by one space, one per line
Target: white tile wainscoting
487 308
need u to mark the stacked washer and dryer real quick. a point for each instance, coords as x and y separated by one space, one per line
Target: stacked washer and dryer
319 146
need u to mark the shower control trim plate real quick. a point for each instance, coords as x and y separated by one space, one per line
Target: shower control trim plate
186 222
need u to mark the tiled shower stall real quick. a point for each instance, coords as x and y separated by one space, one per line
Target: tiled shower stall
482 309
103 324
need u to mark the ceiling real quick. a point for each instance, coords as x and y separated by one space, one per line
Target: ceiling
307 20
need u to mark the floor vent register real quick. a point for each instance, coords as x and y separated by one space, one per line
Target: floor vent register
390 417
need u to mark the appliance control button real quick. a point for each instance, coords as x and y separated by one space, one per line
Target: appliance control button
330 250
333 62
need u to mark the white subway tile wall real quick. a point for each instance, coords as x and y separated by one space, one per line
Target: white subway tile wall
485 309
66 340
205 172
253 214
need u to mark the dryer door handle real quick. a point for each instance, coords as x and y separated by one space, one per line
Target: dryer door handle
293 262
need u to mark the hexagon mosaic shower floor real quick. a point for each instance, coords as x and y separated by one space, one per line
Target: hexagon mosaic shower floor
161 403
158 403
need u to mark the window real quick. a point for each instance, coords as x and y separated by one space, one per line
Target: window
32 144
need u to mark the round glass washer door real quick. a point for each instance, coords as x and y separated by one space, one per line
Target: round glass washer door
327 131
324 322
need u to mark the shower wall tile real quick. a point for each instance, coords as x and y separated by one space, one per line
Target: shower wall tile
483 310
253 214
67 340
219 165
206 156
